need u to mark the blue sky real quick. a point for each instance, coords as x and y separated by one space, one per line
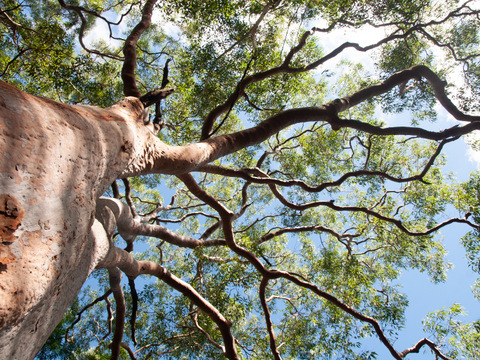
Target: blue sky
424 296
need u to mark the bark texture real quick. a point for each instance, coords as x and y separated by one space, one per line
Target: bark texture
56 160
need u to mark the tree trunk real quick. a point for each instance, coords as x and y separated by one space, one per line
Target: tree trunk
56 160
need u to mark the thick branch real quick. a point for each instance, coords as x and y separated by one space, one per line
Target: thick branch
130 53
133 268
183 159
401 77
155 96
128 227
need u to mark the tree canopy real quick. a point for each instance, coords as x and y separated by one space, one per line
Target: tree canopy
287 240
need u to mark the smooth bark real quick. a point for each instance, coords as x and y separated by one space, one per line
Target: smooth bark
56 160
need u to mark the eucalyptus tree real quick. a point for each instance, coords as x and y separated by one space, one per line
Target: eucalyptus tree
273 206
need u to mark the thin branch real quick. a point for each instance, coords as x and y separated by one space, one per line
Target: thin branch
116 193
398 223
268 320
129 351
247 99
236 216
179 220
80 10
109 318
133 317
175 337
20 53
332 299
263 178
128 199
79 314
207 335
210 119
416 349
15 25
250 33
234 100
297 229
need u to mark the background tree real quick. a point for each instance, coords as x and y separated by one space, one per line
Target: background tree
292 209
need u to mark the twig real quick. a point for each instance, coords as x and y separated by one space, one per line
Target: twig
79 314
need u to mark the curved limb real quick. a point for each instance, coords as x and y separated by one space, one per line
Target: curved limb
398 223
176 160
130 53
268 320
115 277
129 228
416 348
132 268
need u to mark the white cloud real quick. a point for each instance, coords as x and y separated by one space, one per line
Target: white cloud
168 27
101 32
364 36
